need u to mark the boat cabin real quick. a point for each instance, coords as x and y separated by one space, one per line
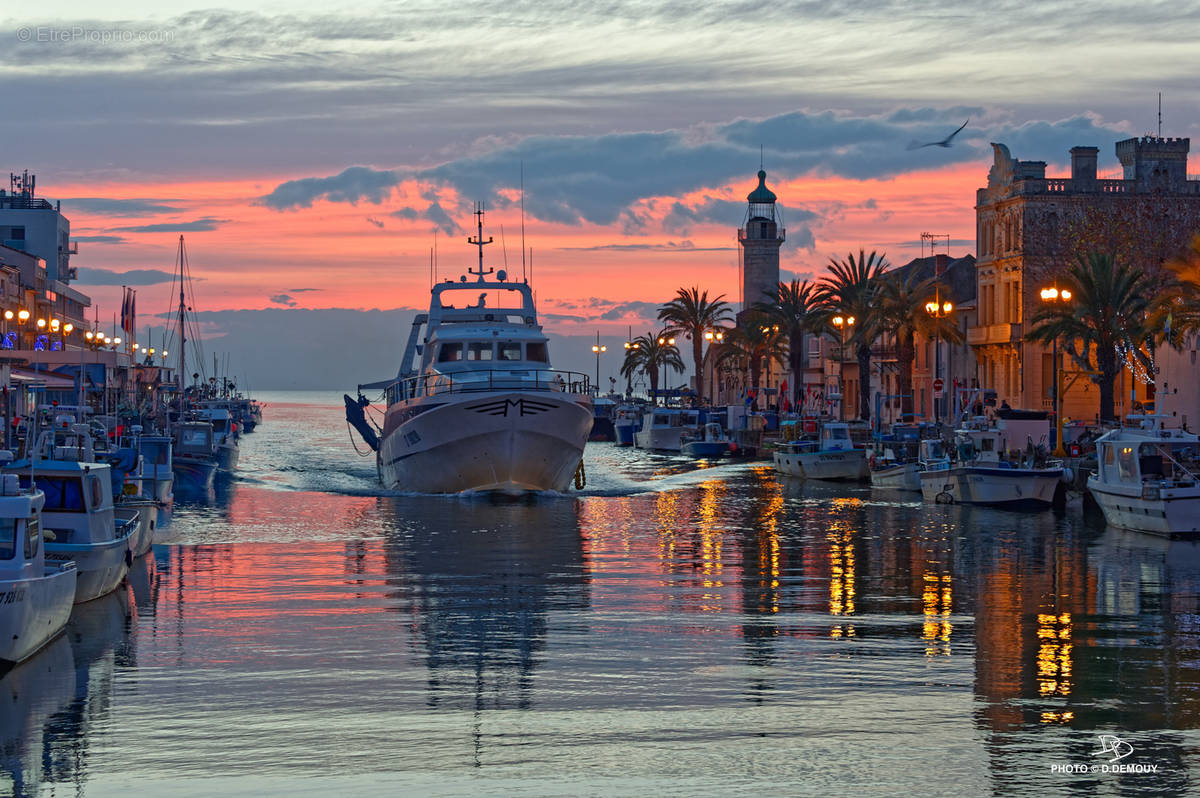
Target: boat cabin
1168 459
835 437
194 438
22 555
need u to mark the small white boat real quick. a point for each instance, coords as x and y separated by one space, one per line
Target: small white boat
897 465
998 465
711 443
662 430
832 456
153 477
1147 478
35 596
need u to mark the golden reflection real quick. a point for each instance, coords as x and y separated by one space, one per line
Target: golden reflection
1054 654
1057 717
769 548
842 576
938 598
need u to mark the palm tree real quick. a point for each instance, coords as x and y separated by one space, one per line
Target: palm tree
649 353
902 301
796 308
852 290
749 346
692 314
1104 323
1177 312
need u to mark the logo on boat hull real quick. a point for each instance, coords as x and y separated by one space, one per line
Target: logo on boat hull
522 407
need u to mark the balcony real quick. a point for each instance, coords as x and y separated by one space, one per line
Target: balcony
994 334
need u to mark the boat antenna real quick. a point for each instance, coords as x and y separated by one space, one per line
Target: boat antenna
504 246
479 242
1160 114
435 254
523 276
431 267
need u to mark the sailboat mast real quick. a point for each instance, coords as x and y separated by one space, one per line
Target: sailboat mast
182 330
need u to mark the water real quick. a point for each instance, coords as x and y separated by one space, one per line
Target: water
669 630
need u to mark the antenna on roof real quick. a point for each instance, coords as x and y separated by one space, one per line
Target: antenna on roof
760 157
523 276
1160 114
504 246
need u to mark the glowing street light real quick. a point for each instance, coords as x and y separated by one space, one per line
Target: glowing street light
1054 295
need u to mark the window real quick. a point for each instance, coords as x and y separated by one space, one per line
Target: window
97 492
33 537
479 350
1126 466
8 541
508 350
63 494
536 352
450 353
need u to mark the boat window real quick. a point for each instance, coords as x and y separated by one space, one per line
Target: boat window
479 350
537 352
33 537
987 445
97 492
508 350
8 541
837 433
63 494
450 353
193 437
1126 466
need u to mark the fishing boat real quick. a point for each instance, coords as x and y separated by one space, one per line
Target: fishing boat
602 419
897 458
36 596
710 443
627 420
832 455
476 405
225 433
78 521
154 477
662 430
1000 462
194 455
1147 477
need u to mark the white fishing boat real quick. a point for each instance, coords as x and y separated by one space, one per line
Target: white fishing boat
476 405
225 435
1147 478
709 443
35 596
154 477
78 520
832 455
897 460
662 430
1000 463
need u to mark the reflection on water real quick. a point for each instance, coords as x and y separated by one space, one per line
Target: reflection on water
716 631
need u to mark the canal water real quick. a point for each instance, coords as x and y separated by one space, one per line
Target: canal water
670 630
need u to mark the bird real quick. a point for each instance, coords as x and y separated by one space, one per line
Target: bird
946 142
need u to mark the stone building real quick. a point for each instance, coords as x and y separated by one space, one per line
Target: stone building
1030 228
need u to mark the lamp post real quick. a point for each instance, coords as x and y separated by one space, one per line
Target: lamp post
713 336
597 348
843 324
629 374
1054 295
938 310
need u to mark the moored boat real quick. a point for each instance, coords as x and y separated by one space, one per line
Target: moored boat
709 443
832 456
36 596
1147 478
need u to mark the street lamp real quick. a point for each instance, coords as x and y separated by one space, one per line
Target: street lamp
938 310
1053 295
843 324
597 348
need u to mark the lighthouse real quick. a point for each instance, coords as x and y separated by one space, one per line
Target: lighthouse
761 235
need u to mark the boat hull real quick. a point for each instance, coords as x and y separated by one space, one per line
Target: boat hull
227 457
1014 488
142 540
193 473
100 566
831 465
1165 515
665 439
508 442
624 433
706 449
34 611
905 477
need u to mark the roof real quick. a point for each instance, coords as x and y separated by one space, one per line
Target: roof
958 274
762 193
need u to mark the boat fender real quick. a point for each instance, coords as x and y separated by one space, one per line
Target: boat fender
129 557
580 477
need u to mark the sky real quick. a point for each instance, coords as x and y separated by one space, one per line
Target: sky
312 157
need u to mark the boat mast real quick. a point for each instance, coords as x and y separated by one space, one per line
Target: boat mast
182 333
478 240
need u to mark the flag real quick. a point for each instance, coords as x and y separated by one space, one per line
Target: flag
128 311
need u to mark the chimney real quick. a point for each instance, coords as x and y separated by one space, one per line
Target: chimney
1083 164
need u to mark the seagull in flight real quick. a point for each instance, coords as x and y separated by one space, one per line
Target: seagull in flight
946 142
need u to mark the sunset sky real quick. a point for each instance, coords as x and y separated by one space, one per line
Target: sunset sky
309 155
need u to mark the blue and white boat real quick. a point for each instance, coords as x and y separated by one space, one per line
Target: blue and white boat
832 455
710 443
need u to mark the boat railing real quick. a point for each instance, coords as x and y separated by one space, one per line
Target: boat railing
553 380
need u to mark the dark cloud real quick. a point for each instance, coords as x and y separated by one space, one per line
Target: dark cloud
670 246
441 219
282 299
204 225
99 239
352 185
631 310
374 221
301 290
92 276
102 206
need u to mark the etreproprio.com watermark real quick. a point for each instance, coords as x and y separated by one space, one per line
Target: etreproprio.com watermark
54 34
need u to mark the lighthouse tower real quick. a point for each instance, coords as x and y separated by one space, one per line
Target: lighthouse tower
760 236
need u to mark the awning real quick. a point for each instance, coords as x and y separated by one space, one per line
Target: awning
29 378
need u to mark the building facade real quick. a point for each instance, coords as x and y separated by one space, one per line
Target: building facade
1031 228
